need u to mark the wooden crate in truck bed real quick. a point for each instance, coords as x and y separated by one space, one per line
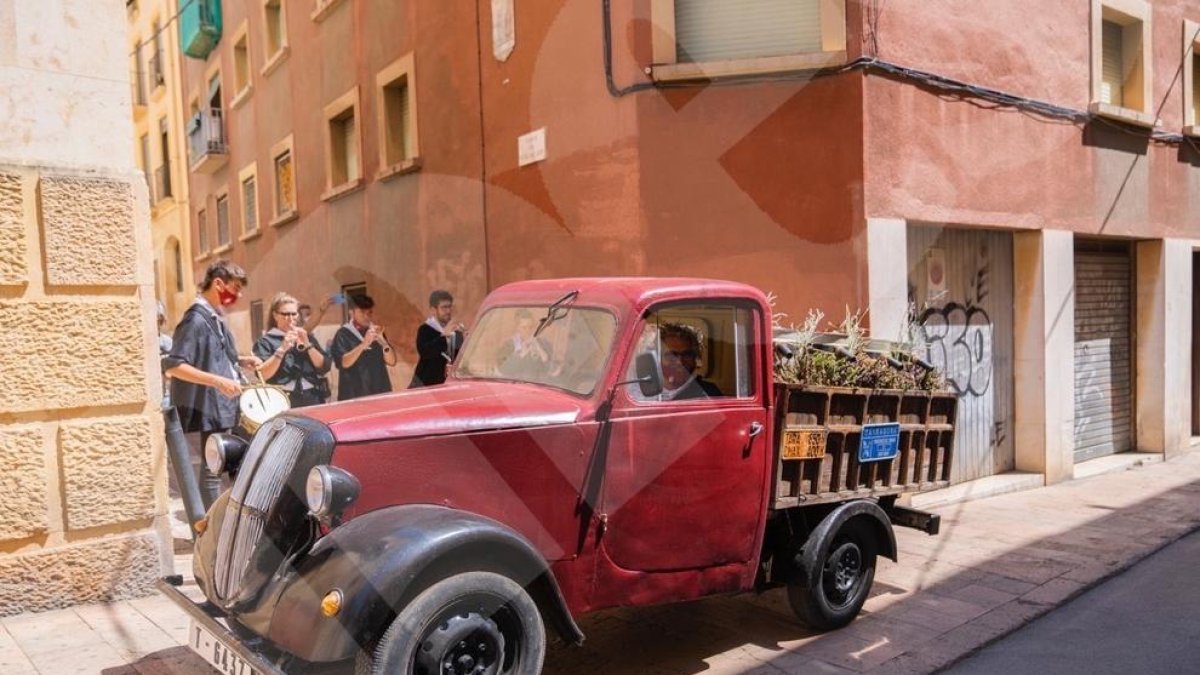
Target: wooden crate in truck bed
822 428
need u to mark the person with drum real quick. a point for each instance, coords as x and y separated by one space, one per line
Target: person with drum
292 359
362 353
203 366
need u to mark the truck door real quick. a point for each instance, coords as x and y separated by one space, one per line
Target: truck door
687 470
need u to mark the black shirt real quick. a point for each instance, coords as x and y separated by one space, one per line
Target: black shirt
369 373
297 366
203 341
434 353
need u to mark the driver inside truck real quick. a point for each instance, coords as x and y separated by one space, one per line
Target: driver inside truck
680 349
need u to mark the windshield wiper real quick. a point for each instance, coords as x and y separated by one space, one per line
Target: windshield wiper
555 311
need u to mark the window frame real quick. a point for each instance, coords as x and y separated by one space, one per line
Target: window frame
757 385
249 172
346 103
279 217
241 42
402 68
1127 13
202 243
227 245
1191 51
323 8
273 59
667 68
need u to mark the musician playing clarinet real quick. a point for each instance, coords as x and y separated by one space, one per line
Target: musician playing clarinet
292 358
362 353
203 365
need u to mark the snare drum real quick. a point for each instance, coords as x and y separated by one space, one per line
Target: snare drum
260 402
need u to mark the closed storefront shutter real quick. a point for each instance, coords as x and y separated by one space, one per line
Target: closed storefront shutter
961 285
722 30
1103 370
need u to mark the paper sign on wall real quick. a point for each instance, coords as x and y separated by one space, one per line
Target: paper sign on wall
504 29
531 147
935 274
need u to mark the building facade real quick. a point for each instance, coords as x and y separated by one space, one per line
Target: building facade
1028 215
84 515
160 150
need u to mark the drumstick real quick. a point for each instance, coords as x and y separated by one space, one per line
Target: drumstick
257 391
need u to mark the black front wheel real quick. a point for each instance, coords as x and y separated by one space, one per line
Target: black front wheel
477 623
843 581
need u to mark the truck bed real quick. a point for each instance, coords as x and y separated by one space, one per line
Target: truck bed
818 431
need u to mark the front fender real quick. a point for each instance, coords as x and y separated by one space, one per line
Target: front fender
816 547
381 560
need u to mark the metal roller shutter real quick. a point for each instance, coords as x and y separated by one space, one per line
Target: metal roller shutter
961 283
722 30
1103 370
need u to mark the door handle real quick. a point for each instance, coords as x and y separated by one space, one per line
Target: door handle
756 428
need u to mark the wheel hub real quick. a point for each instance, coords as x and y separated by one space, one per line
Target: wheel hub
843 569
463 644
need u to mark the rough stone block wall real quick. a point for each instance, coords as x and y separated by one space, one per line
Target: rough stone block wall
106 468
13 269
88 229
82 459
23 483
70 352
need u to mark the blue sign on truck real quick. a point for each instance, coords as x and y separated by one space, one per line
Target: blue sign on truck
879 442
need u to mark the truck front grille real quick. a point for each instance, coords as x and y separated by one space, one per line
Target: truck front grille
265 471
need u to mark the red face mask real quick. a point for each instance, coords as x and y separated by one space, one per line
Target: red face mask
226 296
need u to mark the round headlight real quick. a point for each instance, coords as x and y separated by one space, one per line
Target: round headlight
329 490
223 452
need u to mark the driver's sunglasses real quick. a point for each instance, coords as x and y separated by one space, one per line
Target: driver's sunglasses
288 313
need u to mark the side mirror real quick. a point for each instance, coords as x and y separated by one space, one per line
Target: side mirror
649 376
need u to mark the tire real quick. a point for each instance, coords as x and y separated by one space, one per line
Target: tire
846 574
478 623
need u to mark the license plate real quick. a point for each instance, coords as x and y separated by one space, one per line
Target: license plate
218 655
803 443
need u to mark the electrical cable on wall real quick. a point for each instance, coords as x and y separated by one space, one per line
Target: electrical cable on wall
868 64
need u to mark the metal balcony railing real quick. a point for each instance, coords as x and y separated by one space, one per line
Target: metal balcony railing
206 135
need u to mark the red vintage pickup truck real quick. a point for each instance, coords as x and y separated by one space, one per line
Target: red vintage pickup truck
599 442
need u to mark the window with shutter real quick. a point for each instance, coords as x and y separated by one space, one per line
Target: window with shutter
223 220
343 164
743 29
706 39
202 231
398 147
1112 81
250 204
285 191
1121 59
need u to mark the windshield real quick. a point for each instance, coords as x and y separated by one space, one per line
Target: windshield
569 353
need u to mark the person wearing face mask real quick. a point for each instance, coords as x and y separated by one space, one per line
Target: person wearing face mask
292 358
203 366
361 352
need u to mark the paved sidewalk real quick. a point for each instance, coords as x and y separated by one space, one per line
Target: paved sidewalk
998 563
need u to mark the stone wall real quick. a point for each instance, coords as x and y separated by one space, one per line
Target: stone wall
82 458
80 440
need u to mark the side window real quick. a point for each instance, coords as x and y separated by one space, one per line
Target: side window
703 351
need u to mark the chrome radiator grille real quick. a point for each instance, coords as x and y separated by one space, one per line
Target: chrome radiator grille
265 470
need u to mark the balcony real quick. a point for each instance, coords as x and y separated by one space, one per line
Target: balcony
207 148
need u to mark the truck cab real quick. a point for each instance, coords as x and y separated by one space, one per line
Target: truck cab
598 443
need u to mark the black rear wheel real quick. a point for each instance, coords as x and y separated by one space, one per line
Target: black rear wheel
476 623
836 595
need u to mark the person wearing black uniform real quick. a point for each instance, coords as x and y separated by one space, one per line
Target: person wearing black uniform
361 352
203 366
292 358
438 341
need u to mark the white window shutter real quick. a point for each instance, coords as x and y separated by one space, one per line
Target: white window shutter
723 30
1112 77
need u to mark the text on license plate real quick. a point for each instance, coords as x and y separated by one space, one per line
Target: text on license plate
803 443
219 656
